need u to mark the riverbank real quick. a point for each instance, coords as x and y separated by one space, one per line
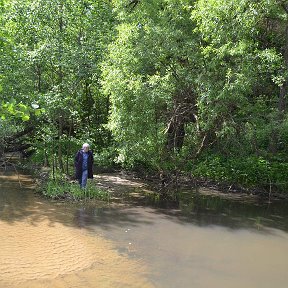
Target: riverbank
109 184
181 181
119 183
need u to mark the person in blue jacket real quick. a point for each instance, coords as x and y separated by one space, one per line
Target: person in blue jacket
84 165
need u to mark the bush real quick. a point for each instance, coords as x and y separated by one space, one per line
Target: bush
250 172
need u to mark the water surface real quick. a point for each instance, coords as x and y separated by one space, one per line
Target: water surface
194 240
42 245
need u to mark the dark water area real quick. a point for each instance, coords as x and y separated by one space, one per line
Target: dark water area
200 210
197 240
143 240
233 213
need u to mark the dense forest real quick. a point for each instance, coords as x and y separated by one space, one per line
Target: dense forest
167 86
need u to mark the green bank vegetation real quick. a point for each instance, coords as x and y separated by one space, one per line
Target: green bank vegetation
197 87
61 189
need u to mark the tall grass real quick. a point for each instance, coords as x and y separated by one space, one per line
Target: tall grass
62 189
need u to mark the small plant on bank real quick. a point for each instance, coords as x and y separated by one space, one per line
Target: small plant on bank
62 189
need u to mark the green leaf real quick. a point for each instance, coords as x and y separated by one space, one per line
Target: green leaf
25 117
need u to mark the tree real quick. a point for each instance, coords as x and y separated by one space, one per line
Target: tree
246 63
60 49
150 77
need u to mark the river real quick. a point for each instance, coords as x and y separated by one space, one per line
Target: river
196 241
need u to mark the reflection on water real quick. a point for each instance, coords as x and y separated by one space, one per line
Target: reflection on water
232 213
194 240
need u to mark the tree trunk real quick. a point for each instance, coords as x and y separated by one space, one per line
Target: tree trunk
60 154
68 148
184 111
60 83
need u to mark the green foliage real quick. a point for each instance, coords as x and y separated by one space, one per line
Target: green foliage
61 189
8 127
50 68
250 172
18 110
106 158
142 74
161 84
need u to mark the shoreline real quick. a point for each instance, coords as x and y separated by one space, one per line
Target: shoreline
115 180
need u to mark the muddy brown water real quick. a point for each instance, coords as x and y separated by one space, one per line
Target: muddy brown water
194 240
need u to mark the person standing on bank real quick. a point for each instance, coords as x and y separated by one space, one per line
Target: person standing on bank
84 165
